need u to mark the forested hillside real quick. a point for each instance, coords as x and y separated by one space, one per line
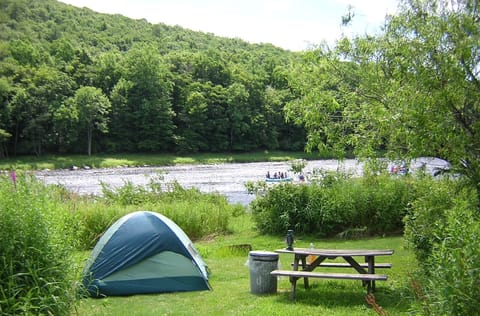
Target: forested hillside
76 81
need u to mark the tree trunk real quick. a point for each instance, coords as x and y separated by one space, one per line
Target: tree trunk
89 141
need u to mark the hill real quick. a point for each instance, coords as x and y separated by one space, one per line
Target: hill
76 81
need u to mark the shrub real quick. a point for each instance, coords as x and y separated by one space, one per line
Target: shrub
442 227
454 266
281 208
384 203
426 218
35 250
375 205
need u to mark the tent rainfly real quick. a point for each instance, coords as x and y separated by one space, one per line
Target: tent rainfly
144 252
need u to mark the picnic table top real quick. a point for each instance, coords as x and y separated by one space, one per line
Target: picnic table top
337 252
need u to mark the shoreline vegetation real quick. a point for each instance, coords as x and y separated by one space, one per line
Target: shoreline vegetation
216 228
53 162
355 213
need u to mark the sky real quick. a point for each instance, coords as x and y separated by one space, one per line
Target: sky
291 24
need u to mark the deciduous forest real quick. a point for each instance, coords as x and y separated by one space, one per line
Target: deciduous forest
76 81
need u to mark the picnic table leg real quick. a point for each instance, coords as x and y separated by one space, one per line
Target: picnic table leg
359 269
371 270
293 281
305 267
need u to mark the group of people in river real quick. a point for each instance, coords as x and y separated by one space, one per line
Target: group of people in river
402 169
276 175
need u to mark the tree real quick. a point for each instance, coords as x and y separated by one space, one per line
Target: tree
5 95
65 123
121 118
412 90
147 90
193 118
24 52
107 70
325 103
33 105
93 108
238 114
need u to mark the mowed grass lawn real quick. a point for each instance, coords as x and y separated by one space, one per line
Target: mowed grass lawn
230 280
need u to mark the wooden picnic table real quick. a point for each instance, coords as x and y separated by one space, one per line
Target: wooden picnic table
364 271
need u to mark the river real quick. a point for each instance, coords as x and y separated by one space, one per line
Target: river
228 179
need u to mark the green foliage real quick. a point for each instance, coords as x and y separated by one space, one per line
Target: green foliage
93 107
426 219
409 91
275 212
375 204
297 165
170 89
37 234
203 218
93 219
442 229
455 266
198 214
146 107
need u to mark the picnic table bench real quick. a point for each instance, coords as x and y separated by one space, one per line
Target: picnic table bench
365 271
348 265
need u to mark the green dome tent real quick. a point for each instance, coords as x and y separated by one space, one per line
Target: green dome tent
144 252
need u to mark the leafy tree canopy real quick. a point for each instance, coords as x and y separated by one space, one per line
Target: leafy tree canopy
49 51
412 90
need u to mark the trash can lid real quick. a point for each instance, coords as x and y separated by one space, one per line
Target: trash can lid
261 253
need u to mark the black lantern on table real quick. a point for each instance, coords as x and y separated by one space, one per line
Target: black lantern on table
289 239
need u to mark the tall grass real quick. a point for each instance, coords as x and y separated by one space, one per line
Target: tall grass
36 235
198 214
40 226
93 219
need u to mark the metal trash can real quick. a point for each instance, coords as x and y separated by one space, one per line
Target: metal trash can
261 263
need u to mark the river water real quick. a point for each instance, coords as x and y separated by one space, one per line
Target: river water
228 179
